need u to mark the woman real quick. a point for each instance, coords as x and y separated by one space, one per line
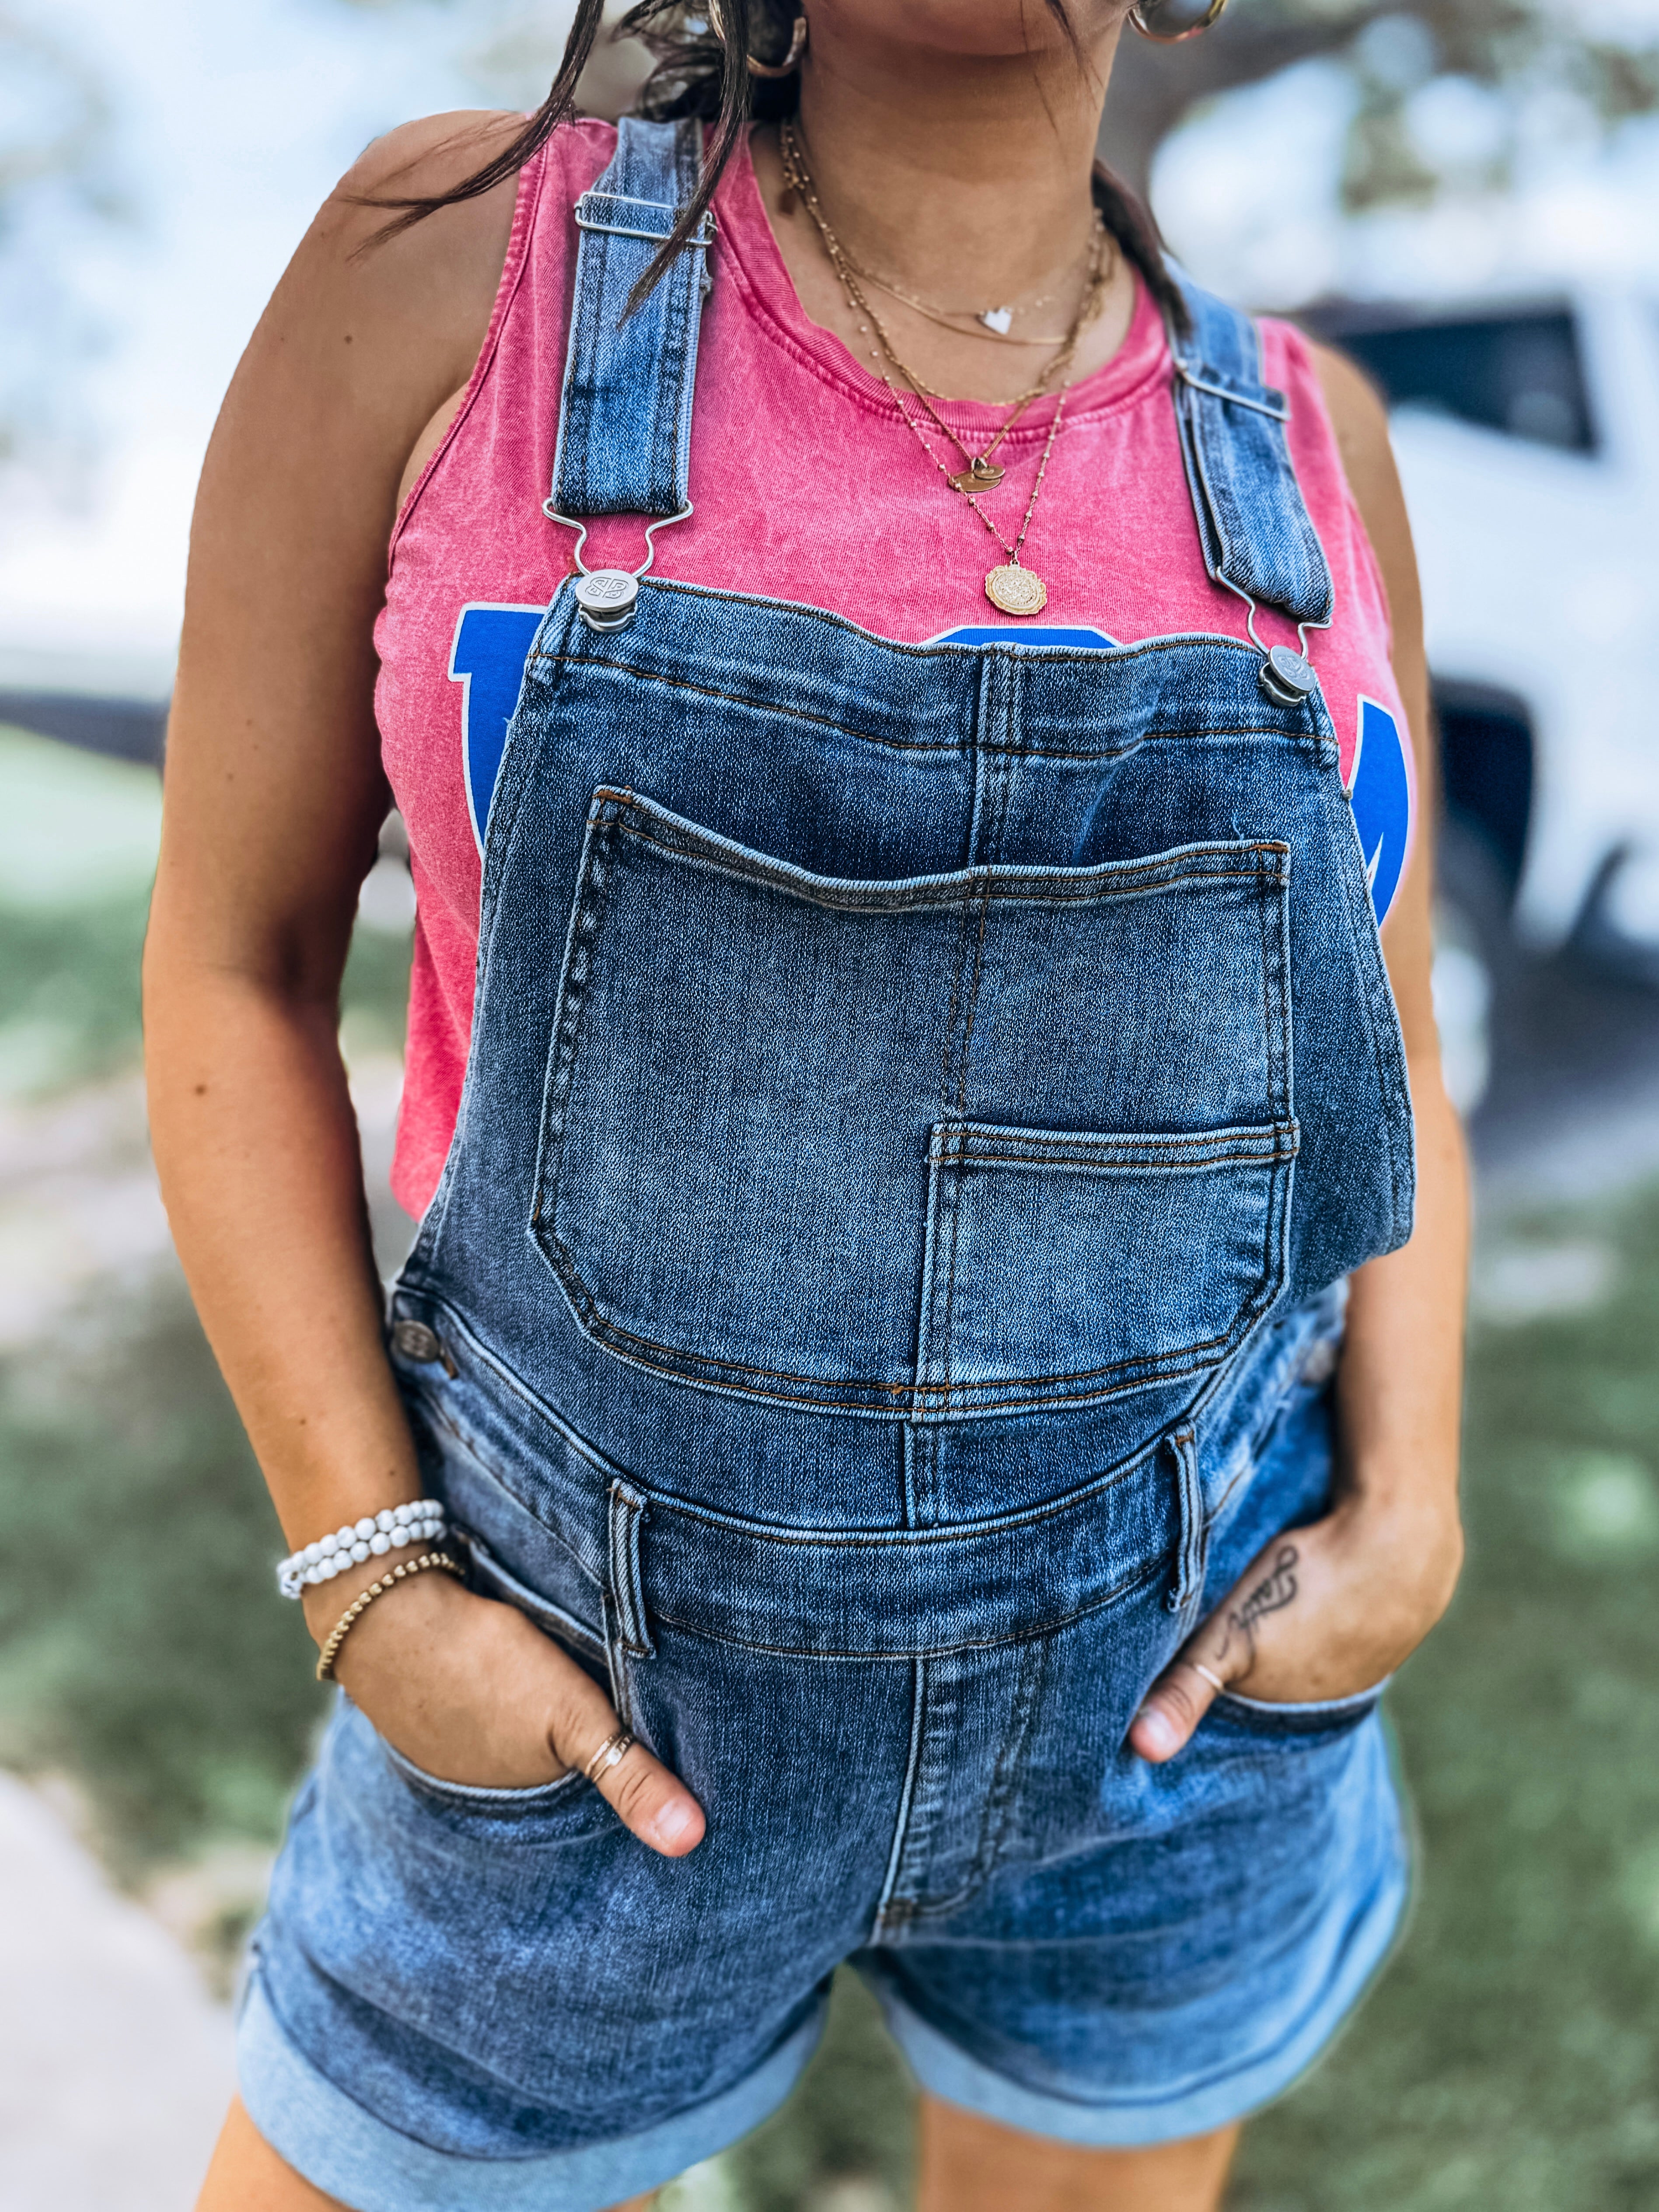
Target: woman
902 1071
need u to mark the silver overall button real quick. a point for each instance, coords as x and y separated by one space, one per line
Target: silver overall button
607 599
414 1340
1286 677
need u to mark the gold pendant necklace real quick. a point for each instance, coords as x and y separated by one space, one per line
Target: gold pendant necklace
982 474
1010 587
1016 591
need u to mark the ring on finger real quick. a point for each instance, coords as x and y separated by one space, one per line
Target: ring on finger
1211 1678
610 1753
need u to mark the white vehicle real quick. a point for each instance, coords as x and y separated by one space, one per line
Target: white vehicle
1528 436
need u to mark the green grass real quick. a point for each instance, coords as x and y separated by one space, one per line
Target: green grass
142 1648
68 993
1511 2058
77 843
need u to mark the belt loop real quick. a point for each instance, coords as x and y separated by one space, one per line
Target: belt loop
628 1513
1188 1584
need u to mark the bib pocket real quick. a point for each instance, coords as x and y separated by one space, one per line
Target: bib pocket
836 1143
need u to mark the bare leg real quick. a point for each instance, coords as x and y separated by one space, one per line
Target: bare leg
247 2176
970 2164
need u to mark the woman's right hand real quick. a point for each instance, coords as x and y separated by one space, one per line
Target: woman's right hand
470 1692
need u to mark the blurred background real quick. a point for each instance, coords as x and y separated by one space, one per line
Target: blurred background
1466 194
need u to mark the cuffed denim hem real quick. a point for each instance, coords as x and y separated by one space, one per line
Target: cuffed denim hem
339 2146
1192 2107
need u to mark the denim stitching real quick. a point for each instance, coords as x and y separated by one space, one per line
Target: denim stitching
866 1396
1180 1153
471 1446
998 1805
552 1620
1188 1584
1084 1499
895 1657
879 1923
1392 1077
602 1325
616 1657
1210 861
598 661
626 1519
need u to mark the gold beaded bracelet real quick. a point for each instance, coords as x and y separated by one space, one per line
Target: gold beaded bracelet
343 1627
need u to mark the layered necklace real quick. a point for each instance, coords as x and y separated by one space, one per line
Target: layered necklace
998 322
1010 586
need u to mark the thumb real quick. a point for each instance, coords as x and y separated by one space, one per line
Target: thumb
1174 1704
653 1804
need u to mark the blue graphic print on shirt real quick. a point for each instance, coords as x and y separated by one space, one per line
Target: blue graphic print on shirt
1379 791
487 659
1028 634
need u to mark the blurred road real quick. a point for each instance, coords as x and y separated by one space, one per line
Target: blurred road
115 2065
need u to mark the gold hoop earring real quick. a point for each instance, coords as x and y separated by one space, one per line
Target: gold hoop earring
791 61
1138 21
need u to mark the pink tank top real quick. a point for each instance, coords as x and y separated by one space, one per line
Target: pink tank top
808 488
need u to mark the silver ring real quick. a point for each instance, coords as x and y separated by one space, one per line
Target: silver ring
612 1752
1214 1681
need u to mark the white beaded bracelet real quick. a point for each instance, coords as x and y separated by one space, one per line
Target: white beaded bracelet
371 1538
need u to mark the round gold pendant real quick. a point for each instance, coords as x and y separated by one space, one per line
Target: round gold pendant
982 475
1016 590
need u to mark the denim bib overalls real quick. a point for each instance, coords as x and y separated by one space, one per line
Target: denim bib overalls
923 1102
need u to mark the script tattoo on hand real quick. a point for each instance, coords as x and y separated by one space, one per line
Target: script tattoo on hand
1276 1590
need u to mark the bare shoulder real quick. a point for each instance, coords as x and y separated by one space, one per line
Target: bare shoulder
363 340
430 154
1360 422
365 337
426 291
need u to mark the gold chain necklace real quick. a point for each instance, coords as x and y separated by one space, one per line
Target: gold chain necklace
980 472
997 321
1014 588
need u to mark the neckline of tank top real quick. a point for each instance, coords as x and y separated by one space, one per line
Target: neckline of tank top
1139 368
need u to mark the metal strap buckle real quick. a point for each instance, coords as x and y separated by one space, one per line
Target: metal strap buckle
700 239
609 597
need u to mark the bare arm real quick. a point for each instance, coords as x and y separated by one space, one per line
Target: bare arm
1399 1389
274 797
1329 1610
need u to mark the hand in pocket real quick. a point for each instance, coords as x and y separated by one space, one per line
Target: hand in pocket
1324 1612
470 1692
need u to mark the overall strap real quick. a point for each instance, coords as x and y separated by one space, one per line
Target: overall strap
1252 519
625 442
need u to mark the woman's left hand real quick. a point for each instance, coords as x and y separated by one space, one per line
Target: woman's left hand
1322 1612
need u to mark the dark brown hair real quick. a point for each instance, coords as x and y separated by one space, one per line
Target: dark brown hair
699 72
